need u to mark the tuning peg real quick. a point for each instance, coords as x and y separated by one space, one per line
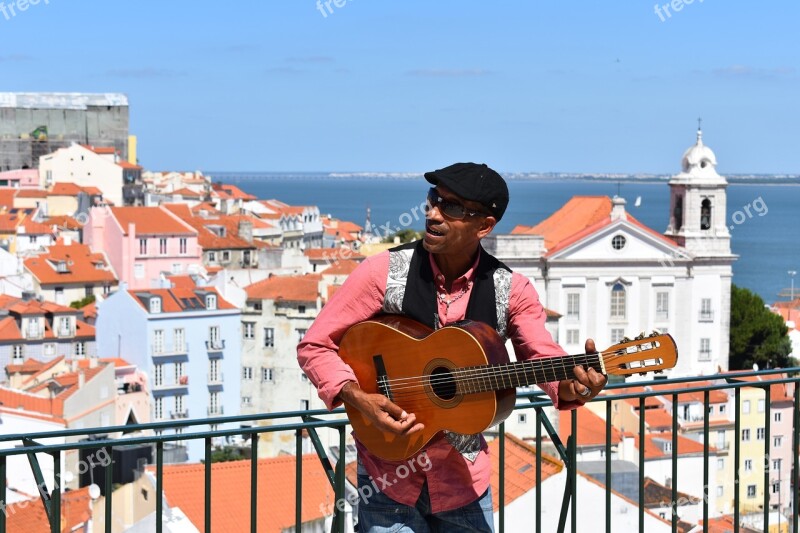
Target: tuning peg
640 336
655 333
658 371
624 340
642 373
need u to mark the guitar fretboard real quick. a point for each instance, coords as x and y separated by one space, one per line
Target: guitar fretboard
486 378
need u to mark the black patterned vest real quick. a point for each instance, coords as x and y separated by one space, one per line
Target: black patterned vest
411 291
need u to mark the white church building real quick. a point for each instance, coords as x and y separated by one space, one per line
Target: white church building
610 276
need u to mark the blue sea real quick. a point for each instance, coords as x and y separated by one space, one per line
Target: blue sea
763 214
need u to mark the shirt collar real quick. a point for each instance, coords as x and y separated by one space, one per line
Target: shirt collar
469 275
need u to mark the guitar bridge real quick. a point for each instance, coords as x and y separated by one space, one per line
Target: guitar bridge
383 379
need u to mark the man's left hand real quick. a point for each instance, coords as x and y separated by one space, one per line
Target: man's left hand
587 383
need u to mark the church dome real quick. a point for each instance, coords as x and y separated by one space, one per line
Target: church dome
699 157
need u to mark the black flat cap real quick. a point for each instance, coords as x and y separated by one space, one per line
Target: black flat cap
474 182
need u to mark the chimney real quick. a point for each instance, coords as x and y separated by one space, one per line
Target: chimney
81 379
618 209
246 230
67 240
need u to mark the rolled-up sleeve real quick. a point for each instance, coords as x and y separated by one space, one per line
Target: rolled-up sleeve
359 298
530 338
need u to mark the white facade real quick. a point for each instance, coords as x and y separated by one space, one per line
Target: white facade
624 278
85 168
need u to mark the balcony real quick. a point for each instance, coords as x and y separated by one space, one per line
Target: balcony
584 505
159 351
178 415
706 316
215 346
172 387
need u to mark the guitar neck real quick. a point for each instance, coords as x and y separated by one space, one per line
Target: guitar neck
523 373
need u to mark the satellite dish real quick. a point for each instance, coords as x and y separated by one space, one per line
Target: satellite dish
755 367
94 491
68 476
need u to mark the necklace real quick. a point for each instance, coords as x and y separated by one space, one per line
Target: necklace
448 301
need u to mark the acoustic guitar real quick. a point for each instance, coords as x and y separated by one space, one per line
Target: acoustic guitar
459 378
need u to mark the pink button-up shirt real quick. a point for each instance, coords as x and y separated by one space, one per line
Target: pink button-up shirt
453 480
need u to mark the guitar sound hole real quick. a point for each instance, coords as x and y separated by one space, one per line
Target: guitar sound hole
443 384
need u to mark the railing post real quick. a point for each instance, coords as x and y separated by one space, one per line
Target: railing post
675 463
641 463
3 493
502 489
609 425
159 486
538 471
766 462
298 480
253 482
737 428
55 508
706 402
795 483
207 488
109 485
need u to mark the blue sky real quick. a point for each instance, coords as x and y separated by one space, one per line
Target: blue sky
410 85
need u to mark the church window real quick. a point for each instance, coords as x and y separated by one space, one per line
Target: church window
618 301
678 213
705 214
618 242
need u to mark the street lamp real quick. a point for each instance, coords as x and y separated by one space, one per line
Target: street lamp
791 275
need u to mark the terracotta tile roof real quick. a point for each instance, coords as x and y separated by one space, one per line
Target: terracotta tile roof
124 164
205 206
230 512
342 235
188 193
182 282
346 225
84 330
31 517
622 497
579 217
9 330
14 399
34 228
343 266
90 310
654 450
100 149
80 266
31 193
520 468
655 494
577 214
9 222
657 418
65 189
207 229
150 221
7 195
63 222
725 524
549 313
177 300
289 288
332 289
226 191
591 429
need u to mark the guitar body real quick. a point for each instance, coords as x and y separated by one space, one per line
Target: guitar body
413 365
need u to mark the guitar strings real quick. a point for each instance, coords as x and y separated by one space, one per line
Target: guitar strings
406 387
409 390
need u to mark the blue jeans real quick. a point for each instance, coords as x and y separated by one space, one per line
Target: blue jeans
381 514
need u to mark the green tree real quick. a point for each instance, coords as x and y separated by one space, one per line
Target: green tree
405 235
77 304
757 334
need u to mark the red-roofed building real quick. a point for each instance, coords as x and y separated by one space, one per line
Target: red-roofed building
68 272
278 312
100 168
230 511
30 515
226 240
42 330
297 227
229 198
144 244
610 276
187 340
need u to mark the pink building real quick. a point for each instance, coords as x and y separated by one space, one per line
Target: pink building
143 244
26 178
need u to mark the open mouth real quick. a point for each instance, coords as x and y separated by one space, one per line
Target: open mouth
433 232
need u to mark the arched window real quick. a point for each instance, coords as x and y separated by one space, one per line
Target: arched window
618 300
705 214
678 213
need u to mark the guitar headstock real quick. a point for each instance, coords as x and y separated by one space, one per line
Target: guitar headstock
653 353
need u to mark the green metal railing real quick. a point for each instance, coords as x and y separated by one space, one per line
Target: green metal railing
298 422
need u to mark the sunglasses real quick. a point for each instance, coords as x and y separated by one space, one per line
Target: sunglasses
450 208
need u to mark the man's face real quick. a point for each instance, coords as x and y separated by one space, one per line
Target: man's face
447 235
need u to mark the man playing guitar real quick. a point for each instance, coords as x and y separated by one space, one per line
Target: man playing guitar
442 279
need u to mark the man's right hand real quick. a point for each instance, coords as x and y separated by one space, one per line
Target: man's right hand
385 414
